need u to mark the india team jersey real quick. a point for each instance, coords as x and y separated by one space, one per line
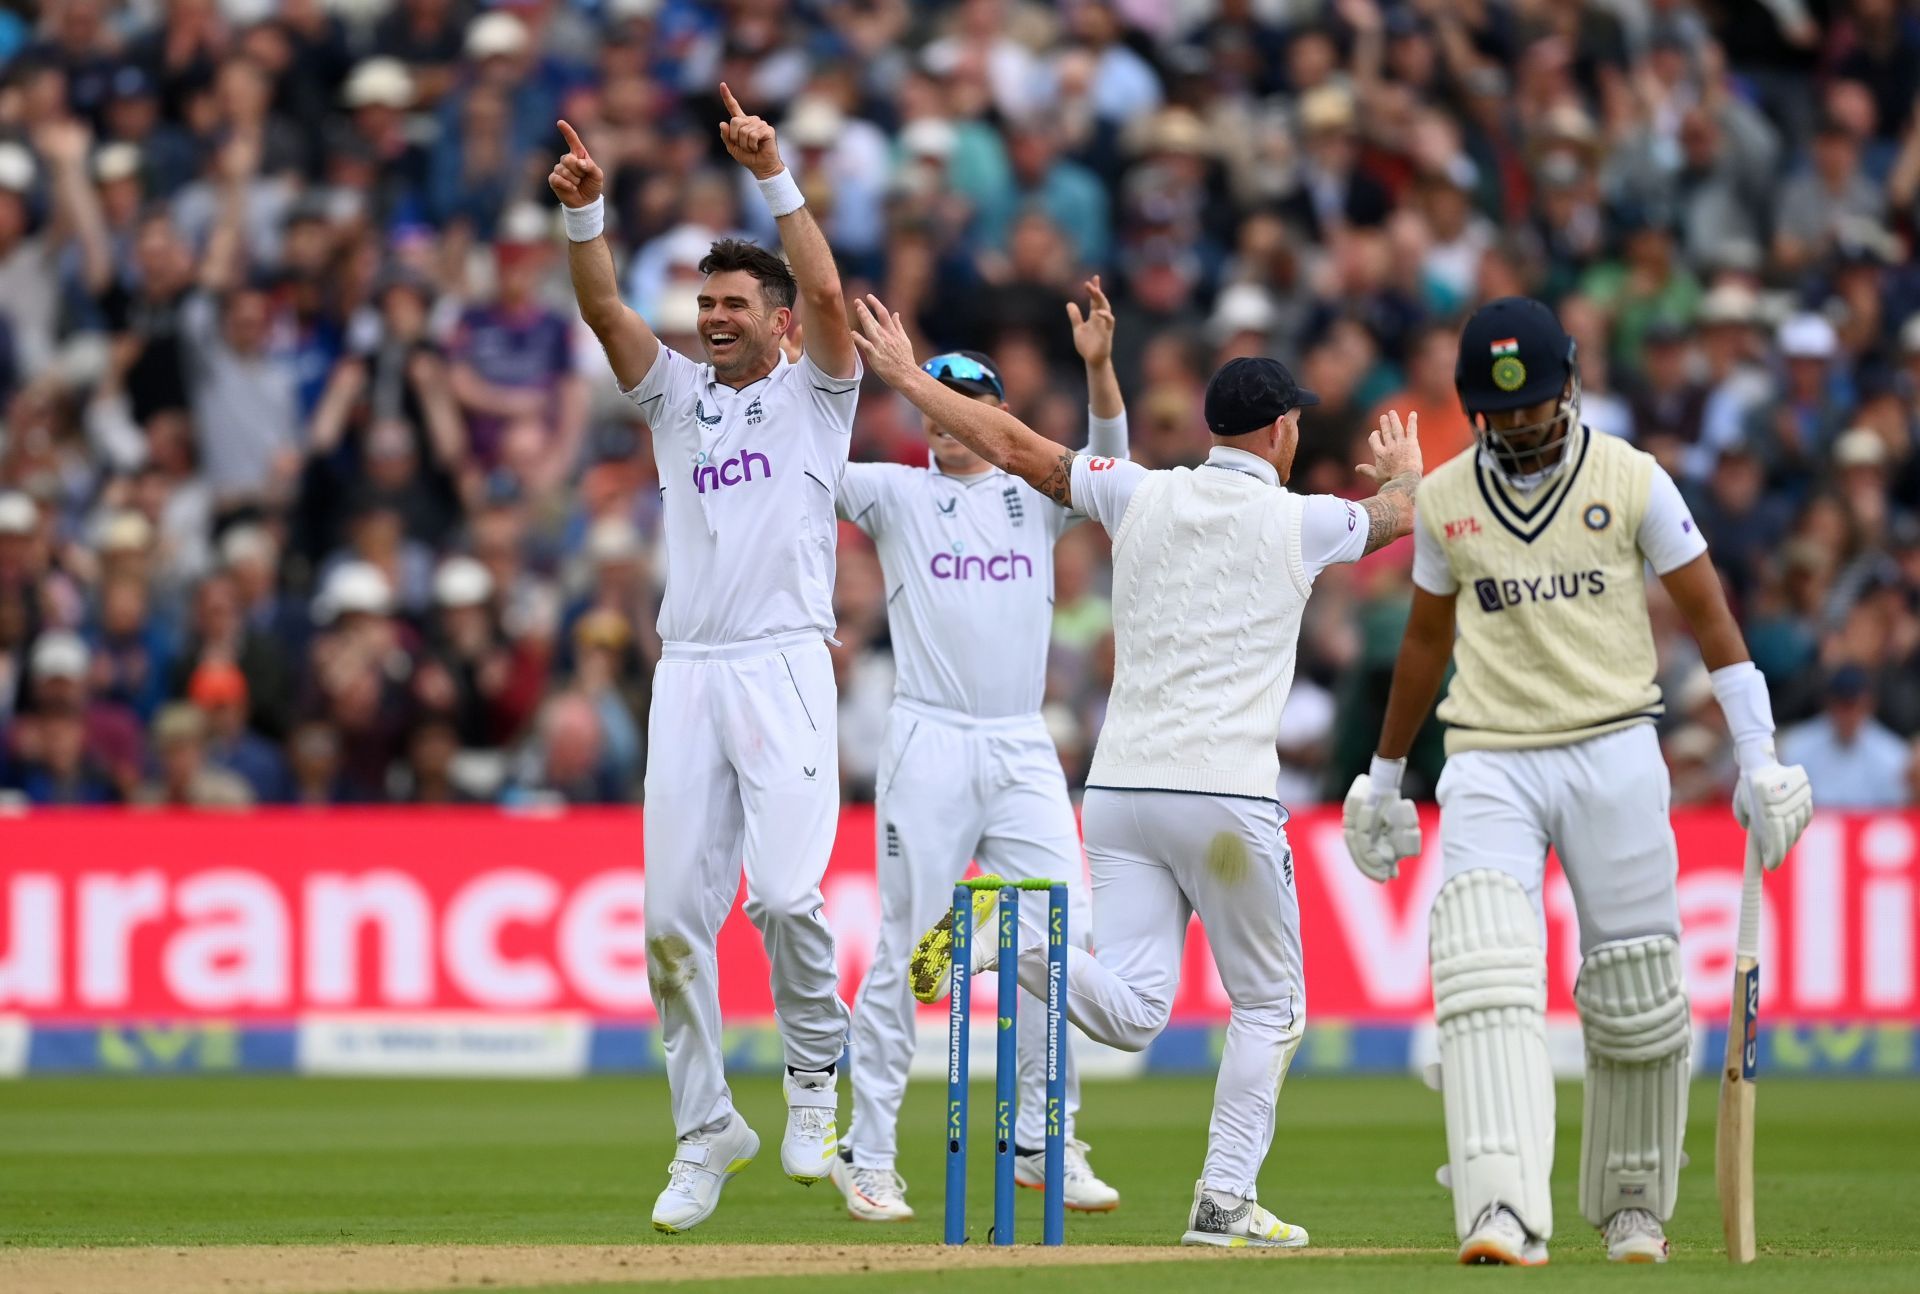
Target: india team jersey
1554 642
747 480
968 562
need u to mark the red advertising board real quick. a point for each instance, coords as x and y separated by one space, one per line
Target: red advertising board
275 915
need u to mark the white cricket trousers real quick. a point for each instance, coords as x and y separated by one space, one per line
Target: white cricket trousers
742 768
1156 858
953 788
1602 805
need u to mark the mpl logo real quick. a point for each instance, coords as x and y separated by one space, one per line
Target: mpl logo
737 470
962 565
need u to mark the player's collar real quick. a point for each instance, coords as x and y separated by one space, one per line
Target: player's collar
1239 460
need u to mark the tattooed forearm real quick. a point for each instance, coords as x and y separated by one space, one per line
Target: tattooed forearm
1390 512
1057 484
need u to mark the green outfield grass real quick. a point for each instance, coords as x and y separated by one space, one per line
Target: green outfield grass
186 1161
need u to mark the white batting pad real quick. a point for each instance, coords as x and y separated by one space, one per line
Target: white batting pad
1633 1007
1489 1004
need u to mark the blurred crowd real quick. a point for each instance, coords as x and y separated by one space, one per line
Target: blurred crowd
313 489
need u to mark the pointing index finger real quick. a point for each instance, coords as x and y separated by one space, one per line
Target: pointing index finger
574 145
733 104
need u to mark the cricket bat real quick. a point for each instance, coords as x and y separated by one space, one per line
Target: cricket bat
1733 1140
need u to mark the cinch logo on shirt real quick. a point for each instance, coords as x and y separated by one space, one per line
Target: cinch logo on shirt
999 568
1498 595
730 471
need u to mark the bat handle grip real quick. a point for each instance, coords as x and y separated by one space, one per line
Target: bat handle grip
1747 943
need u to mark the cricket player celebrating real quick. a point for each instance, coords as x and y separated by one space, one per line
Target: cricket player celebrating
1548 527
742 729
969 770
1212 569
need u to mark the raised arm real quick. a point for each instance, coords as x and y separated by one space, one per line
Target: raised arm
823 306
578 182
987 430
1395 472
1093 338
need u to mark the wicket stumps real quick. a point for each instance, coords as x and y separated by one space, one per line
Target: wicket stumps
1006 1062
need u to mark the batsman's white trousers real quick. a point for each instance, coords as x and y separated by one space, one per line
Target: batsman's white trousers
1602 804
953 788
1156 858
741 769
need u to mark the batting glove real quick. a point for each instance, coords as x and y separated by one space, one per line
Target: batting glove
1774 803
1380 826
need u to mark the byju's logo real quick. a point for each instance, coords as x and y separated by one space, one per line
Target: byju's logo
728 471
999 568
1498 595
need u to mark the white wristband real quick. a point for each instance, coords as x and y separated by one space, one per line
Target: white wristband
1384 774
782 194
1742 693
584 224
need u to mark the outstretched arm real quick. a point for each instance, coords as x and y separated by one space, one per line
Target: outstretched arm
823 306
630 345
987 430
1395 470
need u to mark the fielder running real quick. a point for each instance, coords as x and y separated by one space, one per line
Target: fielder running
742 730
969 770
1212 569
1548 527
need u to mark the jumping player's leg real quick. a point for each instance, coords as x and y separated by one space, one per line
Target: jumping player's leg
780 724
693 838
1487 948
926 823
1617 849
1230 858
1031 835
1125 996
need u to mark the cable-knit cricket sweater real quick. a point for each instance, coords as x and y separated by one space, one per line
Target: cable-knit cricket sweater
1208 590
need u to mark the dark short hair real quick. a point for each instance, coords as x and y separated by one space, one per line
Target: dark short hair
775 279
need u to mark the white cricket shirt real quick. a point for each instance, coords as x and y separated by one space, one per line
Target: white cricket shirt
747 480
1212 567
968 562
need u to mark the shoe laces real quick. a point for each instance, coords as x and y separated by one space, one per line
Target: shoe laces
1629 1222
1077 1167
813 1120
1505 1218
680 1172
881 1185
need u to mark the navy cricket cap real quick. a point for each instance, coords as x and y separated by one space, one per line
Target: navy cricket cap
1248 394
1513 353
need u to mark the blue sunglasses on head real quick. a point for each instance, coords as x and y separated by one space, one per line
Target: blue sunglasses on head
963 369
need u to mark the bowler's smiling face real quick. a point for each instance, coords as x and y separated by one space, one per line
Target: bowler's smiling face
740 329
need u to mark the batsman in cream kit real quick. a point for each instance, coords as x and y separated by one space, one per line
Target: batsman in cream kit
1530 559
744 765
968 770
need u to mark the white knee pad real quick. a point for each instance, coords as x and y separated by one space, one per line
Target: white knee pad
1490 1003
1633 1010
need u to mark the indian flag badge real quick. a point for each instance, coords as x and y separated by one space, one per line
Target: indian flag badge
1509 374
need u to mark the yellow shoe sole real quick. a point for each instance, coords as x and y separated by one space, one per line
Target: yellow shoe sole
928 971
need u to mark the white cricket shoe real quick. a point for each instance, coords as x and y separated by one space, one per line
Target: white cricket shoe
1237 1222
1635 1236
873 1194
812 1142
1499 1237
702 1164
1085 1192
